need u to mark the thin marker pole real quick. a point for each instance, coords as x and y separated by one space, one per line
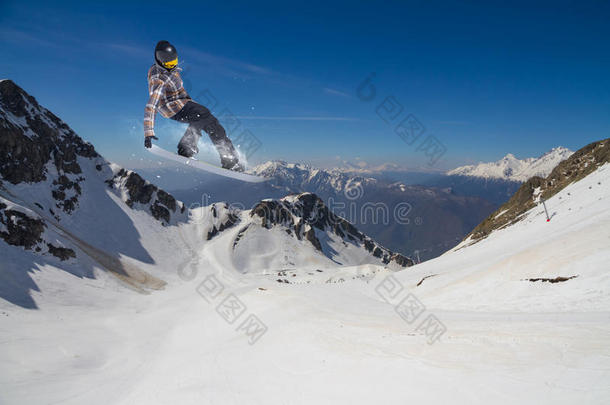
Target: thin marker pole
545 211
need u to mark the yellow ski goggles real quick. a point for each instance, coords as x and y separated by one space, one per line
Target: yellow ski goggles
171 64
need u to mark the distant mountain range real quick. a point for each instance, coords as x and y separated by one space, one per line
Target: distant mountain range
446 206
361 166
431 219
512 169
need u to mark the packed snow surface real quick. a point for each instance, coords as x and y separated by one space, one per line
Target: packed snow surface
338 337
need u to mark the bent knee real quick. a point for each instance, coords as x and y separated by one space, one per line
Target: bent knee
212 126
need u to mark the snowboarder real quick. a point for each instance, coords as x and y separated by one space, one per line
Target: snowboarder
168 96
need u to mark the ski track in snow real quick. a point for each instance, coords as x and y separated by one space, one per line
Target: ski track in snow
508 340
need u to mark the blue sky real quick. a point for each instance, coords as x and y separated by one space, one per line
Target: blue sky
484 78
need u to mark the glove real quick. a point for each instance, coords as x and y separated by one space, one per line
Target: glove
148 141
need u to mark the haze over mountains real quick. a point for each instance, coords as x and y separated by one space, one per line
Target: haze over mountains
411 219
442 207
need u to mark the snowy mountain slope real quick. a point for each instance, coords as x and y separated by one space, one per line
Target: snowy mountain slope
444 217
339 335
61 185
45 162
304 217
511 168
507 339
69 207
499 268
577 166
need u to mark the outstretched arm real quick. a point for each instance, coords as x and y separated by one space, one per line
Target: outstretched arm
155 89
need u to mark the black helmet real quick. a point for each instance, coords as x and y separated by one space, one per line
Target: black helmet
166 55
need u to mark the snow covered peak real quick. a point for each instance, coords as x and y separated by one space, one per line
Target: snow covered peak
273 167
61 201
316 235
558 152
33 136
514 169
295 177
571 168
60 168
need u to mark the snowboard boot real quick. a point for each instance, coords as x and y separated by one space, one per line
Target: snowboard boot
187 146
231 163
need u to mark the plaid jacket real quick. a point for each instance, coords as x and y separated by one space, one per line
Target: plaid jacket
166 95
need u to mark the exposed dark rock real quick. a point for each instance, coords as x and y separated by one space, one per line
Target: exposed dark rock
21 229
24 152
424 278
552 280
25 231
271 212
159 212
377 251
240 234
58 195
61 252
310 235
230 220
166 199
142 192
302 214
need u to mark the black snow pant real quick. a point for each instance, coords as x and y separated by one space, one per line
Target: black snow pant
200 118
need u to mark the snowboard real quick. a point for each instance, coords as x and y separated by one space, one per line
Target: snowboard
201 165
